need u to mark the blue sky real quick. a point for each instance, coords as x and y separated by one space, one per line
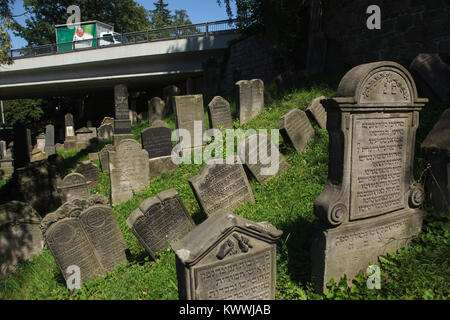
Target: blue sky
198 10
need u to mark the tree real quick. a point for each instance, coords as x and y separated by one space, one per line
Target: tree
125 15
29 112
161 16
5 39
181 18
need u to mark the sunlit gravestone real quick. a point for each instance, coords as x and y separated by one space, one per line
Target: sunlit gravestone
370 204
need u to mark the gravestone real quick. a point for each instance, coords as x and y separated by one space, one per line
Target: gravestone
37 155
189 115
157 141
6 168
70 144
2 149
317 112
20 235
249 99
227 258
122 123
159 221
21 151
133 117
75 186
69 125
128 170
168 94
296 129
158 123
107 120
84 137
103 155
370 204
93 156
262 157
106 131
40 142
119 137
160 165
89 170
220 113
156 109
85 233
50 140
221 186
436 149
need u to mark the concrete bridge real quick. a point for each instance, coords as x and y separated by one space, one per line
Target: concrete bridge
142 60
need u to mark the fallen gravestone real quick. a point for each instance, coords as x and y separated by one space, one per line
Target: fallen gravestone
250 99
370 204
317 112
50 140
85 234
220 113
129 170
156 109
75 186
106 131
122 122
227 258
436 148
159 221
221 186
296 129
20 235
88 170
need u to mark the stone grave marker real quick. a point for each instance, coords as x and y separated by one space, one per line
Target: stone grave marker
158 123
370 204
84 138
188 113
296 129
159 221
156 109
157 141
107 120
317 112
75 186
168 93
69 124
436 148
220 113
89 170
20 235
263 164
122 122
227 258
106 131
37 155
21 151
6 168
3 149
129 170
50 140
250 99
103 155
40 142
221 186
85 233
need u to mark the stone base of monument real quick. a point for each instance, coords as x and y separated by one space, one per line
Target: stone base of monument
6 168
161 165
350 248
70 144
119 137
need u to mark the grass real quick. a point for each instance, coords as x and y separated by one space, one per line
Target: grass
420 271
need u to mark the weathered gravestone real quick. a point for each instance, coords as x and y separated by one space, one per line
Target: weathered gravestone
296 129
157 141
262 157
128 170
40 142
156 109
21 149
3 149
220 113
317 112
85 233
122 123
37 155
69 125
189 115
88 170
370 204
50 140
227 258
85 137
103 155
221 186
436 148
107 120
75 186
6 168
158 123
168 94
20 235
250 99
159 221
106 131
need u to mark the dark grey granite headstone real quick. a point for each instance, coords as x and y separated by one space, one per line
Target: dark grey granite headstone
122 122
370 204
249 99
157 141
21 151
50 140
75 186
220 113
85 233
227 258
159 221
296 129
89 170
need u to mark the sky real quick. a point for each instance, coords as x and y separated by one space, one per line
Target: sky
199 11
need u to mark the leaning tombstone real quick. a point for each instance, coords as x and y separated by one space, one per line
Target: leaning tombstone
221 186
317 112
262 157
159 221
75 186
21 149
249 98
436 150
106 131
129 171
103 156
89 170
122 122
85 234
370 204
220 113
227 258
296 129
20 235
50 140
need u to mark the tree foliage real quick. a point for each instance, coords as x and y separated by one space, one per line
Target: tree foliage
5 39
160 16
29 112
